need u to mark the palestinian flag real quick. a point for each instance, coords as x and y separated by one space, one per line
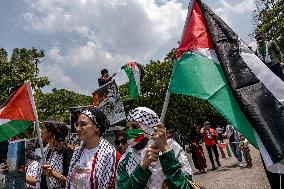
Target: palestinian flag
215 65
16 114
134 136
134 72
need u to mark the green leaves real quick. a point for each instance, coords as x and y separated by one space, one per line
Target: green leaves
22 66
56 105
269 17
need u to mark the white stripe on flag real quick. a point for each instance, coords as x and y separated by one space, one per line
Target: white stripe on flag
136 73
208 53
4 121
274 168
273 83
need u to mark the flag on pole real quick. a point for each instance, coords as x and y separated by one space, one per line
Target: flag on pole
16 114
135 73
215 65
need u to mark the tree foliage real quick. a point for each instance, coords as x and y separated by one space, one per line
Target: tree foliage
183 111
269 18
56 105
22 66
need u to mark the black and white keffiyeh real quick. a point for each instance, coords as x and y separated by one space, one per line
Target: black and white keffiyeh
157 178
98 117
146 118
105 164
91 116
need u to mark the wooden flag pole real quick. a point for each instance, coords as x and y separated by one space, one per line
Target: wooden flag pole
168 94
28 84
165 107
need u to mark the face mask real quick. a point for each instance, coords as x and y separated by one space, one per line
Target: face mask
136 138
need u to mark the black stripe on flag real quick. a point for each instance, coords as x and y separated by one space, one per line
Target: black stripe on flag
262 109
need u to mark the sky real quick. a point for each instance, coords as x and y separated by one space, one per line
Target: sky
81 37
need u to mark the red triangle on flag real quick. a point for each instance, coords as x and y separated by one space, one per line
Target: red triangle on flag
19 107
195 34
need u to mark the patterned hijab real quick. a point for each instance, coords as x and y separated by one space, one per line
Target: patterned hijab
98 117
146 118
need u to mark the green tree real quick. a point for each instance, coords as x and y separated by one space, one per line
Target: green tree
183 111
56 105
21 67
269 18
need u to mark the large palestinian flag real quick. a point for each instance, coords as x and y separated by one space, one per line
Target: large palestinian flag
215 65
16 114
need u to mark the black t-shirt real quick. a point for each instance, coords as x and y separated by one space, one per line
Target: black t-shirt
103 81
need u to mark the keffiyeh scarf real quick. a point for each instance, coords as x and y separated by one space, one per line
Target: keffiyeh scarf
157 178
147 119
105 167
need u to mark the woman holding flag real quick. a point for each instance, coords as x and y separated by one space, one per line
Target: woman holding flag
151 158
57 155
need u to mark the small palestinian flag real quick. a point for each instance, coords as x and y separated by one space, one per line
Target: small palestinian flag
134 136
135 73
16 114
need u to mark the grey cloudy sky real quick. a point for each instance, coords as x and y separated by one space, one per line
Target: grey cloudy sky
80 37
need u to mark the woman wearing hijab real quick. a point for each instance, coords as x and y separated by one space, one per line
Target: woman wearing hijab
196 150
57 155
151 161
94 164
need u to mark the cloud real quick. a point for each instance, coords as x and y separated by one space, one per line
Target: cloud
86 36
229 10
58 78
109 33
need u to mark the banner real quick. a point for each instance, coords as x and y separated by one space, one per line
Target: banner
16 177
108 99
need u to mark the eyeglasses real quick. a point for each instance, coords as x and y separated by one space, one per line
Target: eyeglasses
121 141
81 124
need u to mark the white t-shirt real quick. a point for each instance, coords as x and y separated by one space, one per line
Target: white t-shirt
80 176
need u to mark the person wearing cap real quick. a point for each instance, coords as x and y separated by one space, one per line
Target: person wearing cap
270 54
94 163
151 160
209 137
104 79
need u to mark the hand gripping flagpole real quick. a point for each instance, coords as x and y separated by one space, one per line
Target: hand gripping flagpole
28 84
168 94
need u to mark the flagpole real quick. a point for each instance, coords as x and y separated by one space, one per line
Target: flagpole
165 107
168 94
28 84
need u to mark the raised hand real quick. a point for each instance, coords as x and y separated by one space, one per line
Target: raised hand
151 155
159 135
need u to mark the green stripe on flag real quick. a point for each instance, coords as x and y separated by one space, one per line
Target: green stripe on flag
13 128
133 90
133 133
198 76
228 151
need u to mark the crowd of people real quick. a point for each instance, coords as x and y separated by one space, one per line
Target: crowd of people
149 157
213 140
145 156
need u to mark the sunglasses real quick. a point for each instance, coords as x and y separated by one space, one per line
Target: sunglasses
121 141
